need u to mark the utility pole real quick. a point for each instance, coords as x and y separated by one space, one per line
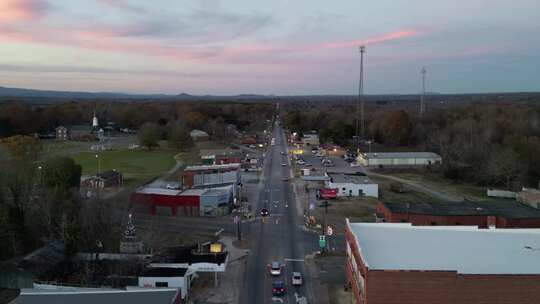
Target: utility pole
422 97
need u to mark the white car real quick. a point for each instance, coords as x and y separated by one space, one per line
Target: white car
275 268
297 279
173 186
284 164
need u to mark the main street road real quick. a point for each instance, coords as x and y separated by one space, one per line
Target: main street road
280 237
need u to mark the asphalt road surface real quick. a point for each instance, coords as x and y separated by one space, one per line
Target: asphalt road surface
279 237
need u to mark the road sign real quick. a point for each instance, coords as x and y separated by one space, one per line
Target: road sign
322 241
236 219
329 231
311 206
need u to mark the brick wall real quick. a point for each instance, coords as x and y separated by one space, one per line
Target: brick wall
417 287
464 220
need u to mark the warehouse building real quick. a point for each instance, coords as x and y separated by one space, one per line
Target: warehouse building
403 159
209 175
191 202
166 201
500 214
352 185
400 263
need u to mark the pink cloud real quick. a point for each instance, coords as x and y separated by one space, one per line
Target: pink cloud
21 10
260 54
105 38
373 40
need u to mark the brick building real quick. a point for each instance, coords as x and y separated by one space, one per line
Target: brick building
501 214
395 263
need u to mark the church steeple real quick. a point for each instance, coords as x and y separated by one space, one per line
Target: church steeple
95 123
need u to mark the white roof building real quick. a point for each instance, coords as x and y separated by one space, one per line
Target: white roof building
465 249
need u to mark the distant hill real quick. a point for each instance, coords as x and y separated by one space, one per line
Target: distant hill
31 95
17 92
49 96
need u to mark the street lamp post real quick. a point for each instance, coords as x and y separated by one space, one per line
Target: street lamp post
98 164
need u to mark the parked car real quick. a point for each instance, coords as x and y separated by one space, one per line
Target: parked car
300 162
297 279
278 288
173 186
275 268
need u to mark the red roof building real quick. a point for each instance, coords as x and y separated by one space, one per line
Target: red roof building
179 203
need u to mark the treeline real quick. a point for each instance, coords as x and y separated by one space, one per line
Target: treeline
489 144
20 118
40 202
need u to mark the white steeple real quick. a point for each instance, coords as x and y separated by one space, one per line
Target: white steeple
95 123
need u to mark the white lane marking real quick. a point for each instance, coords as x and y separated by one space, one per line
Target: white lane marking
293 260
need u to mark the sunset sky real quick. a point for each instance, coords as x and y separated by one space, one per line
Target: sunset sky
270 47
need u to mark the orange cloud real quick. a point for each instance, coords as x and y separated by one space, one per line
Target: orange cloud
21 10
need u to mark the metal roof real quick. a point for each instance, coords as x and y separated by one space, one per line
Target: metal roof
164 272
211 167
194 192
161 191
102 296
401 155
507 209
465 249
342 178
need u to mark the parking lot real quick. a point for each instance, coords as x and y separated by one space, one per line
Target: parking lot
314 162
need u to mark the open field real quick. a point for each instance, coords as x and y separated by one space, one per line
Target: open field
408 196
134 164
436 182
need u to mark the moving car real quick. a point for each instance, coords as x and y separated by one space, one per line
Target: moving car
301 162
284 164
275 268
278 288
264 212
282 153
297 279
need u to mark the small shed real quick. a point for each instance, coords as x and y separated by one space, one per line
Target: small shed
111 178
199 135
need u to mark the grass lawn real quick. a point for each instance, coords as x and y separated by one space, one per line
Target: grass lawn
135 165
357 210
440 183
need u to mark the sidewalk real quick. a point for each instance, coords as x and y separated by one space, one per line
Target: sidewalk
227 291
320 291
